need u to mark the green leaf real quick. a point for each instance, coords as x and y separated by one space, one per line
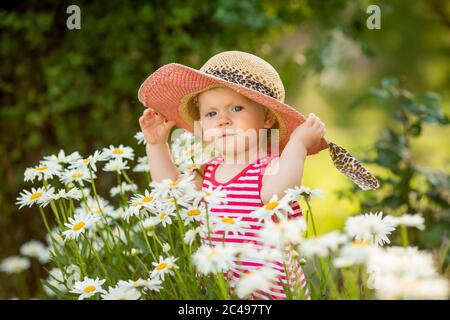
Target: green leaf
415 129
389 82
379 93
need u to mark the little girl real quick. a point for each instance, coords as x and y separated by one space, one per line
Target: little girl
233 98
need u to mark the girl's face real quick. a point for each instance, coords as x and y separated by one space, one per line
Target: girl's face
231 121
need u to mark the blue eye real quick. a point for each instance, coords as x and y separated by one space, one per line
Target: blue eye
239 108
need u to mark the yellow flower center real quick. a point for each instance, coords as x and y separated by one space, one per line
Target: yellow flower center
136 204
41 168
163 215
118 151
359 243
77 175
272 205
212 254
147 199
171 200
193 212
208 194
228 220
79 225
88 289
161 266
86 161
36 195
99 211
192 167
173 184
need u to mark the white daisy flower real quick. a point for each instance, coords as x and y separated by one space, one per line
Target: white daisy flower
353 253
211 196
73 193
264 254
275 207
147 224
125 187
62 158
119 293
229 224
77 225
35 249
76 175
189 167
403 262
396 288
163 217
54 279
153 284
100 207
142 166
163 267
260 279
193 213
88 287
14 264
120 152
54 233
116 165
42 171
410 220
322 246
216 259
283 232
168 188
139 136
191 235
370 227
166 247
147 200
38 196
90 161
131 284
296 193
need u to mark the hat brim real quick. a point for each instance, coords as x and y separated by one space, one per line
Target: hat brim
167 89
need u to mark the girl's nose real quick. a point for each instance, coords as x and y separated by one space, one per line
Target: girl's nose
224 120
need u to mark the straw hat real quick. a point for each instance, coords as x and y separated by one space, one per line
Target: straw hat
172 91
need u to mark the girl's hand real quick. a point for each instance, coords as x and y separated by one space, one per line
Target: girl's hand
155 127
309 132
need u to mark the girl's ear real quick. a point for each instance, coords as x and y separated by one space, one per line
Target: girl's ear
270 119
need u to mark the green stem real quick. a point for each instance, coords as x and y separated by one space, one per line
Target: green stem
222 286
404 233
146 240
312 216
80 260
127 178
97 257
207 224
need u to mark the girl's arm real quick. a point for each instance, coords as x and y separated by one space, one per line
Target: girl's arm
156 131
286 171
161 163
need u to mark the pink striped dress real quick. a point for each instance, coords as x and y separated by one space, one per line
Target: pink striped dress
243 197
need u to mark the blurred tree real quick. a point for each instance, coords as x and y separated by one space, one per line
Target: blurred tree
407 187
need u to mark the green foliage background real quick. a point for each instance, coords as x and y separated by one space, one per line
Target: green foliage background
77 89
